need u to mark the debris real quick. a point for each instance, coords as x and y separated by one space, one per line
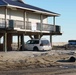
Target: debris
72 59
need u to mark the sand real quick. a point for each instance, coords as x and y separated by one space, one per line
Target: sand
68 74
37 63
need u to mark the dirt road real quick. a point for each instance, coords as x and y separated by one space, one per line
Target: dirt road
41 71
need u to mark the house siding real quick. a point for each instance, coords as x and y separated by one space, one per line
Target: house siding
45 19
12 14
15 14
35 18
19 15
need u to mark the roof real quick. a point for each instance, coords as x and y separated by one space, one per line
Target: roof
22 5
2 3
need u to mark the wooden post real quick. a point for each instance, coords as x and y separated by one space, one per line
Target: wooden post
18 42
54 23
51 39
5 42
37 36
41 17
24 20
31 36
9 41
5 17
5 34
22 41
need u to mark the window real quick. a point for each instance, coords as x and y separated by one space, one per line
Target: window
35 41
45 42
72 42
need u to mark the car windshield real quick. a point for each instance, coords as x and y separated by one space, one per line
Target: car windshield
45 42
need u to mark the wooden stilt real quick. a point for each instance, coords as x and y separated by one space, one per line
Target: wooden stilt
51 39
22 41
5 42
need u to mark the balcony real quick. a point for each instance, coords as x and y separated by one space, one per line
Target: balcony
28 26
20 24
15 24
2 23
48 27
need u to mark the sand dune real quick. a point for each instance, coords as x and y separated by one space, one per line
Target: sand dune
47 61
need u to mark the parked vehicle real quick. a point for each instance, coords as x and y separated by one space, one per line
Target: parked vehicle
38 44
72 42
71 45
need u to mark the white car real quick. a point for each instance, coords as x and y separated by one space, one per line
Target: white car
38 44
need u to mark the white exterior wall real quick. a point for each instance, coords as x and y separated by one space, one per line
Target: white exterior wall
45 19
35 18
12 14
15 14
19 15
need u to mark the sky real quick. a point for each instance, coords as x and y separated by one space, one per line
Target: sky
67 19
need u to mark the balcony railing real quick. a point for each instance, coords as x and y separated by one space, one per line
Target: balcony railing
48 27
15 24
2 23
28 26
20 24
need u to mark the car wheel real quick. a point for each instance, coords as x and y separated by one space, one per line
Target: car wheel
35 49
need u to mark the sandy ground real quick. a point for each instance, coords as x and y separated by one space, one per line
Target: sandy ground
37 63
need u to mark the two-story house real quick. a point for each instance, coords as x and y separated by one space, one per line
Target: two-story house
21 19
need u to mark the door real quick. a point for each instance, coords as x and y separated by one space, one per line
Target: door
29 45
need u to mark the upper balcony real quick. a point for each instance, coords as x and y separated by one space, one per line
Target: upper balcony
14 24
27 26
48 27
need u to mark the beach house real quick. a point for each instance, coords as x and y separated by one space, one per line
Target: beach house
21 19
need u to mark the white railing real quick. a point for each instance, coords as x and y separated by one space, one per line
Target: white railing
48 27
28 26
2 23
15 24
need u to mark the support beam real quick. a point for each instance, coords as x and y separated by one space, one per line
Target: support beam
37 36
9 41
5 34
24 15
51 39
5 17
19 42
22 41
31 36
54 23
5 42
41 18
41 36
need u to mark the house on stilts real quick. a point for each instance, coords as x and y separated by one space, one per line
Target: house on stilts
21 19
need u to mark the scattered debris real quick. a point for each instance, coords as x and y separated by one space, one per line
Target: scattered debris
72 59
